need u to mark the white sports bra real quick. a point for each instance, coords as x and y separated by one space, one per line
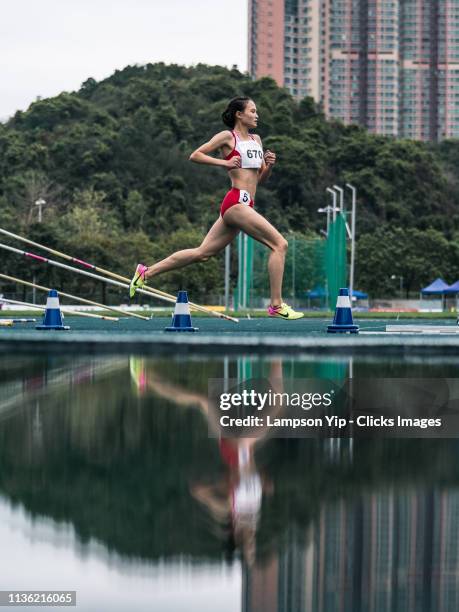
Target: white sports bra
248 494
250 152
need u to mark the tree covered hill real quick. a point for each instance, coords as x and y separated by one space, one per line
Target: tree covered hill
111 160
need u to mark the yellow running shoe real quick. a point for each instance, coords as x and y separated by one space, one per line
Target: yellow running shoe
284 311
138 280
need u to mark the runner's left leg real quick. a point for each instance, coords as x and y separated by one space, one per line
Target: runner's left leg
252 223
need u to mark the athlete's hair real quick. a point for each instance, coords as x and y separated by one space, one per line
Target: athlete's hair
235 105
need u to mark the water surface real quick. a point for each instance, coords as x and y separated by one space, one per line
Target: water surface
111 486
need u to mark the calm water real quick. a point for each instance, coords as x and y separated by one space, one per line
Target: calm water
111 486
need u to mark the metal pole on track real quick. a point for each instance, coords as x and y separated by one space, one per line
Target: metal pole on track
244 272
227 276
354 209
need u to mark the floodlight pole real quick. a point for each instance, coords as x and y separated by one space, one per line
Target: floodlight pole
343 208
341 197
40 203
334 202
328 210
354 198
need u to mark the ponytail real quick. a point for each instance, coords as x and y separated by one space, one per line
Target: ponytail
235 105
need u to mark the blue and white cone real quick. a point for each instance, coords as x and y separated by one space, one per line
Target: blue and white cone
342 321
53 316
181 321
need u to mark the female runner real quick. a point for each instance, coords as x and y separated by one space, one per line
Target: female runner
247 165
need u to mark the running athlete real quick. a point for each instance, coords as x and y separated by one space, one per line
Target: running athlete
247 165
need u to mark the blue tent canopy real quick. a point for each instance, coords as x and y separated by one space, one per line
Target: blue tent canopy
454 288
317 292
438 287
360 295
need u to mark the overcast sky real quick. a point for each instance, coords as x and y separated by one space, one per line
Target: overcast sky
49 46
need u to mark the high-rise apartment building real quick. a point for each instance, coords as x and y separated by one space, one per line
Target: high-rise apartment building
387 550
390 65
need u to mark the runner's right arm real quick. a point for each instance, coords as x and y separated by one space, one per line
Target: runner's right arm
201 155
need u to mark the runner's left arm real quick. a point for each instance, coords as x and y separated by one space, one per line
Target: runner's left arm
268 162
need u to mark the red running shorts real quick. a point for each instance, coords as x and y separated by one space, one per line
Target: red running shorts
236 196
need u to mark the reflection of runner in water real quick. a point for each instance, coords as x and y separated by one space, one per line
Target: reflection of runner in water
246 491
246 488
235 501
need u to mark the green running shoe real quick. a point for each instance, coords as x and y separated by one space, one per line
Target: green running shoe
284 311
138 280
